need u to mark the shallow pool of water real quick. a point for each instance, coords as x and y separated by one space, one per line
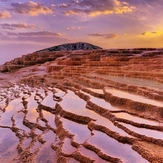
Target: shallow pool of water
48 100
137 119
80 131
101 102
10 110
143 131
92 155
113 148
72 103
32 105
142 99
67 147
19 121
50 118
8 145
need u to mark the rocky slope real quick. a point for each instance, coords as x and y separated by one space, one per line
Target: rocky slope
73 46
84 106
45 55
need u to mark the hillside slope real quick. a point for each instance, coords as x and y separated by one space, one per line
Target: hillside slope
48 54
73 46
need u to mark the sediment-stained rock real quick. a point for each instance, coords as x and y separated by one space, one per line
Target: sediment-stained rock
101 154
151 152
72 116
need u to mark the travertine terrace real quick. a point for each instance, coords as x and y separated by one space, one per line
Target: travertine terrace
83 106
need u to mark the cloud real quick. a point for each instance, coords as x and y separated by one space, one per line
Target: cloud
74 12
64 5
74 28
53 5
16 26
4 15
154 33
106 36
36 34
96 7
145 2
40 37
30 8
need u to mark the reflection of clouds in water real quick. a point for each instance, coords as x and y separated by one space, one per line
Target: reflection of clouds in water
100 102
72 100
32 114
77 129
112 147
8 144
48 100
70 103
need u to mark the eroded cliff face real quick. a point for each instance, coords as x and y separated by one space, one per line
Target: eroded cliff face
83 106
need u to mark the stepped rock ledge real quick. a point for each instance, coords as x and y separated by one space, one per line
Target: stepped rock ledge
79 103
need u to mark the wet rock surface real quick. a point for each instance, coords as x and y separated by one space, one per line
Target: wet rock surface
90 106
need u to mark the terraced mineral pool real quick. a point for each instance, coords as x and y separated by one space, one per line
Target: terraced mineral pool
142 99
26 143
13 107
18 118
41 122
72 103
46 153
34 146
101 102
59 92
32 105
76 107
134 81
50 118
113 148
72 160
67 147
143 131
92 155
77 129
137 119
8 144
107 123
15 113
48 100
95 90
2 105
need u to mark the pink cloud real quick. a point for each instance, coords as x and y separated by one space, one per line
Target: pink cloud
31 8
4 15
96 7
106 36
17 26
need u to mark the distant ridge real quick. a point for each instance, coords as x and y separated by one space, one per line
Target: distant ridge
72 46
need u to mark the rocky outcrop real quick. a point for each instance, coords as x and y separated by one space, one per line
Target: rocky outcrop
29 60
73 46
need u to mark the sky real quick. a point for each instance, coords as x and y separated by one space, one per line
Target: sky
27 26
